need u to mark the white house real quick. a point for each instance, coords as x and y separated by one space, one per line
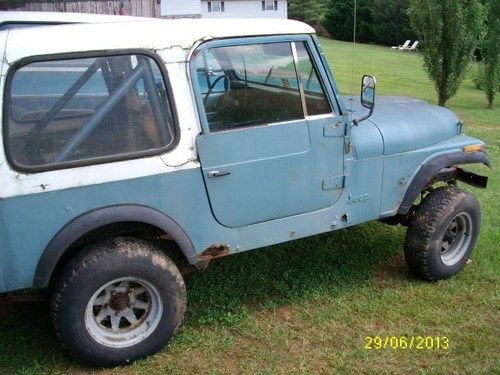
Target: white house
224 8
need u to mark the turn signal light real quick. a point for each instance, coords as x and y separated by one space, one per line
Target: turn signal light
474 148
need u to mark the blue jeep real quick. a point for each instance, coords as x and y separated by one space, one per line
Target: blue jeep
128 158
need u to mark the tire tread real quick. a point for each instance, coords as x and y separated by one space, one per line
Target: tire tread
424 223
95 253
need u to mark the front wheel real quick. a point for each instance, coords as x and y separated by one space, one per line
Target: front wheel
442 233
120 300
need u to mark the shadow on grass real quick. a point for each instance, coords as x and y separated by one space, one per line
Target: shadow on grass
315 267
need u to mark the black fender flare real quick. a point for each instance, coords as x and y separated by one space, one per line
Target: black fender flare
431 168
91 220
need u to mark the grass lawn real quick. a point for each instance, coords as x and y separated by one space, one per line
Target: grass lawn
307 305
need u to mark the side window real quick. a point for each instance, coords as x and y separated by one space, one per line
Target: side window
86 110
248 85
316 99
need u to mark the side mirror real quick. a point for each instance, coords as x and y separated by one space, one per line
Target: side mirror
367 96
368 92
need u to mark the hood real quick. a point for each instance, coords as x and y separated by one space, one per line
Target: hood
408 124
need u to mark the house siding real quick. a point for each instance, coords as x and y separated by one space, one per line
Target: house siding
171 8
245 9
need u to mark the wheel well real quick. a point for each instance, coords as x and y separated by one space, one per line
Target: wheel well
141 230
432 168
131 220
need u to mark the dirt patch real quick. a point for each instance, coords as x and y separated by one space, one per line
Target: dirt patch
392 272
321 367
283 314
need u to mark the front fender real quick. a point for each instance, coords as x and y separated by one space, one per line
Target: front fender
431 168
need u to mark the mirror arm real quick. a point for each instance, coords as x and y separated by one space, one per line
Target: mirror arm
356 121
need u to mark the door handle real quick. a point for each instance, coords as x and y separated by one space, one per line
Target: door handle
213 174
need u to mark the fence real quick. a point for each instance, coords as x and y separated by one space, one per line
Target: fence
144 8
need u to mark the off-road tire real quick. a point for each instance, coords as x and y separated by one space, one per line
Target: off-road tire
427 228
102 263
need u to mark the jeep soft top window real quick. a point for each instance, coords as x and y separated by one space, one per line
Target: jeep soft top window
248 85
86 110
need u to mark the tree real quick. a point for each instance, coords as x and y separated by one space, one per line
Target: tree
492 50
448 31
390 22
309 11
381 21
339 20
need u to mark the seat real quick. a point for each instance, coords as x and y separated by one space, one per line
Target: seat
412 48
400 47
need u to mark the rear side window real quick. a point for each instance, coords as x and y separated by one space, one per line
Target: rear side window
87 110
248 85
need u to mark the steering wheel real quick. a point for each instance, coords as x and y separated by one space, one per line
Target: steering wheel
227 89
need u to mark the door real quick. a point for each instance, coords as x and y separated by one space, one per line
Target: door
272 146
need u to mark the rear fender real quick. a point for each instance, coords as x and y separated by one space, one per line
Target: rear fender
89 221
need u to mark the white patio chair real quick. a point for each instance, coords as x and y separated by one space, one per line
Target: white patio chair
405 45
412 48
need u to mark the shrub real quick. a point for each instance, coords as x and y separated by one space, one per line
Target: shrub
478 76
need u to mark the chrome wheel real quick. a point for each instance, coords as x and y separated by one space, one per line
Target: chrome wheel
456 239
123 312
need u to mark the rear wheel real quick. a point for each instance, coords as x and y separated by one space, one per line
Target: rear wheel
442 233
120 300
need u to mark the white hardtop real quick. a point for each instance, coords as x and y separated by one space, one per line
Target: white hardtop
58 17
150 34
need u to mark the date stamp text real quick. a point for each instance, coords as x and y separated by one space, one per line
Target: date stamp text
406 342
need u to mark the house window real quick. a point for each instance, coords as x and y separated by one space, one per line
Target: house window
216 6
269 5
